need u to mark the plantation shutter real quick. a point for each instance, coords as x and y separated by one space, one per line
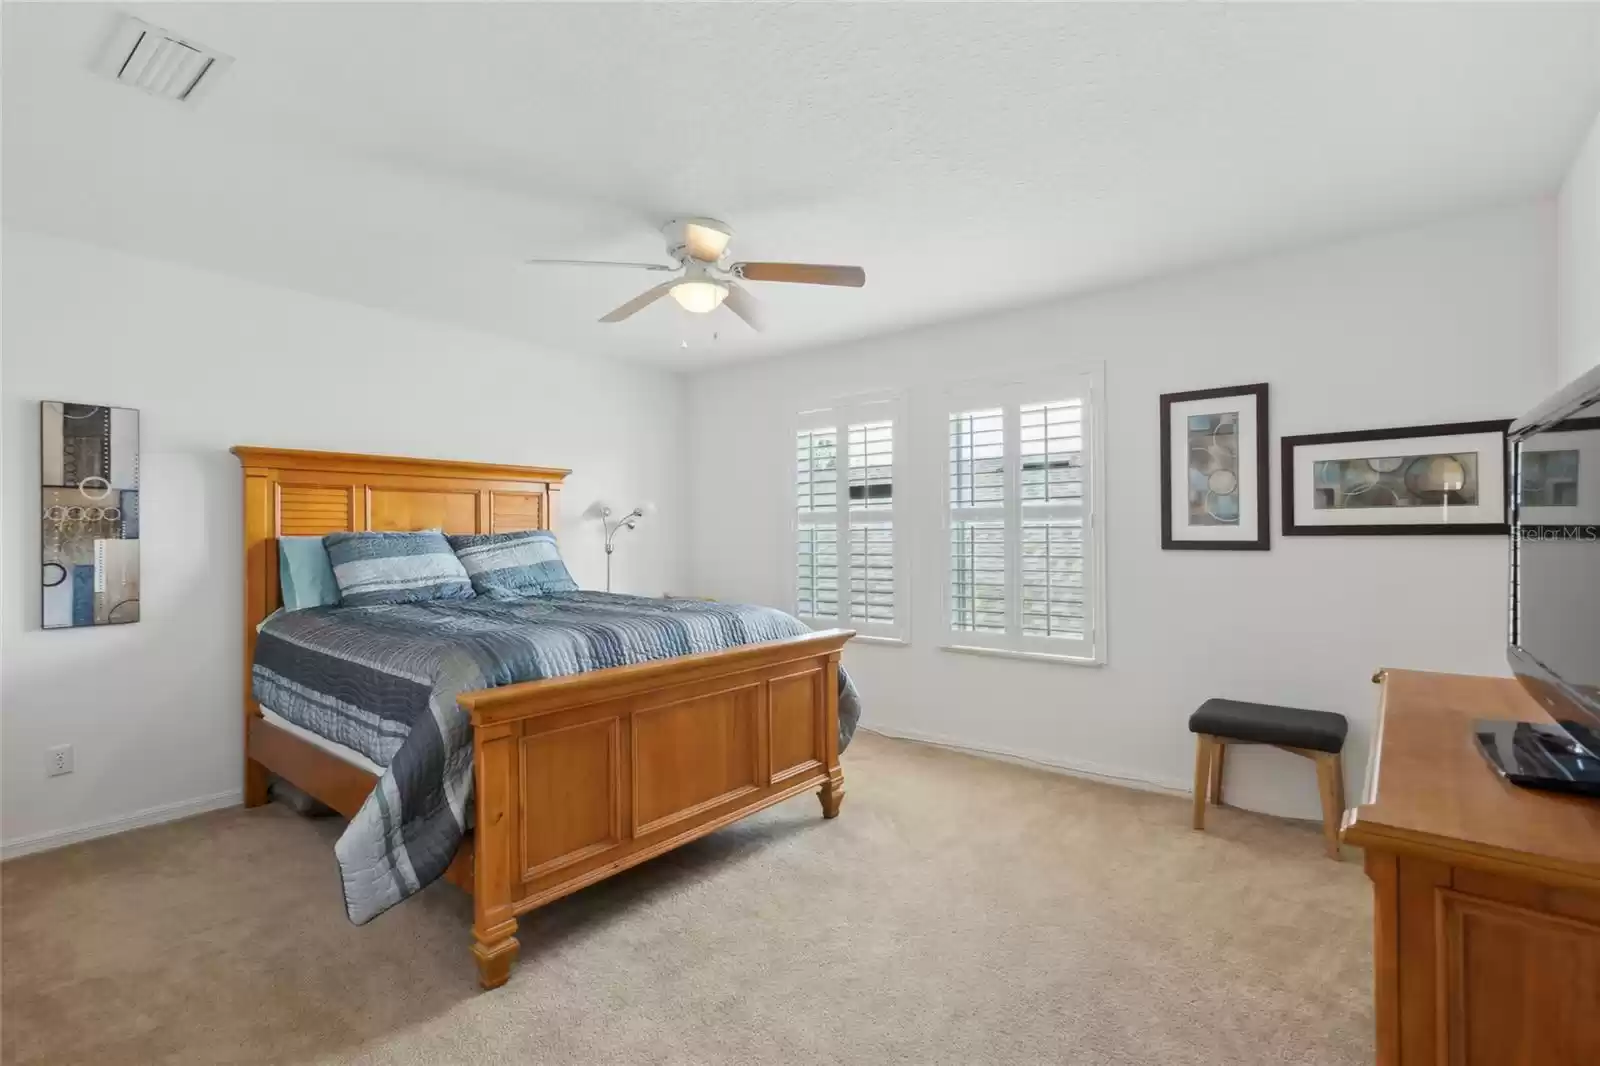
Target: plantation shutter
817 510
845 503
1022 536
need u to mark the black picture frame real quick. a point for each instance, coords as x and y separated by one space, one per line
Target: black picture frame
1258 393
1288 445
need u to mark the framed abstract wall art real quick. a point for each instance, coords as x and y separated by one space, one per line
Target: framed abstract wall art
1416 480
1215 482
89 507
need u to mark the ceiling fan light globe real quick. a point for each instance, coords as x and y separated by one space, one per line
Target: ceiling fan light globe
699 297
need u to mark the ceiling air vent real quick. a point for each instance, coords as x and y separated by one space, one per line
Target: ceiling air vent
159 62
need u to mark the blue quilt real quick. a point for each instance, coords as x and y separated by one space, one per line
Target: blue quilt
384 680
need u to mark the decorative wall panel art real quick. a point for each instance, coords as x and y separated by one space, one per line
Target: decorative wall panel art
89 506
1215 490
1416 480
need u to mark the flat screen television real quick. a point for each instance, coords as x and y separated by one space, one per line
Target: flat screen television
1554 646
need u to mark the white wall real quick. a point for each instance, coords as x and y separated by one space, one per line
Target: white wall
1578 256
152 709
1444 323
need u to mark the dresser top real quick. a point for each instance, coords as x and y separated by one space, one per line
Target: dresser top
1431 792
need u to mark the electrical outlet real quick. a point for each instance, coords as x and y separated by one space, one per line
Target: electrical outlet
58 761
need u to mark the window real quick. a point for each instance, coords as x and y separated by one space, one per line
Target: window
845 502
1023 574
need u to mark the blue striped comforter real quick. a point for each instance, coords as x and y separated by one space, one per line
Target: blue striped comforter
384 680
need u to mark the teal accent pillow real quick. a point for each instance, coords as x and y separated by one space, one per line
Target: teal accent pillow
305 574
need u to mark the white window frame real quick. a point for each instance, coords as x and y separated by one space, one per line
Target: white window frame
1087 384
840 415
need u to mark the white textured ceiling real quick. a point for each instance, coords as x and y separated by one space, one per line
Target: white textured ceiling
408 156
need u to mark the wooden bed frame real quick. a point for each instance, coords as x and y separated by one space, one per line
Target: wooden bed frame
576 778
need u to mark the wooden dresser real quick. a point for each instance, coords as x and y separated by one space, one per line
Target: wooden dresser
1486 921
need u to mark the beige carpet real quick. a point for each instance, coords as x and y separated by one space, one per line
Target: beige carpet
960 910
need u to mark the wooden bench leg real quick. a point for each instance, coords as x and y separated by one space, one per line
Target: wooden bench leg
1338 784
1219 750
1203 746
1330 782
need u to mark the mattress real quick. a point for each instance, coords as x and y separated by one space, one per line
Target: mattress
337 750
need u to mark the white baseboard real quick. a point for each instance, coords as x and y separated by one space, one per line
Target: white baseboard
1039 761
169 812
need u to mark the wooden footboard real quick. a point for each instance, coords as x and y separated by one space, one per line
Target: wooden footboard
580 777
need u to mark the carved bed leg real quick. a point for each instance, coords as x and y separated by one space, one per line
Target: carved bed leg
255 783
495 949
495 781
832 793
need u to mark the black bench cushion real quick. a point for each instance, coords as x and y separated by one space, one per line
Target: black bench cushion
1262 723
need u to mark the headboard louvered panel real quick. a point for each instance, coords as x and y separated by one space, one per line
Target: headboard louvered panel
513 512
312 510
299 493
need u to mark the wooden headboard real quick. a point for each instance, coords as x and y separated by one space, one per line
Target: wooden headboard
301 493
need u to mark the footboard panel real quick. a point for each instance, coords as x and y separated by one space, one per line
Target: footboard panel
579 777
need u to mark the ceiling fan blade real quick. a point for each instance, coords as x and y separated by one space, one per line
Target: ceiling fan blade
803 273
597 263
640 302
747 307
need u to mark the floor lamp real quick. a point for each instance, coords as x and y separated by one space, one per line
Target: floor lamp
604 513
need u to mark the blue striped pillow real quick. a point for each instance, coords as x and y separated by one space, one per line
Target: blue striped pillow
374 568
513 565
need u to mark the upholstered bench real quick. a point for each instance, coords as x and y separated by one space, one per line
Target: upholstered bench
1315 735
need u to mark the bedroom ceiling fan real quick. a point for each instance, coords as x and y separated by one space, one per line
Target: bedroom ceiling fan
705 280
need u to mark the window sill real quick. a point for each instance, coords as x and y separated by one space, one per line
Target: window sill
889 642
1033 656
